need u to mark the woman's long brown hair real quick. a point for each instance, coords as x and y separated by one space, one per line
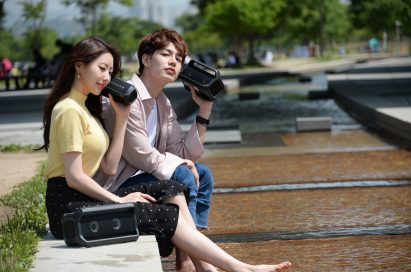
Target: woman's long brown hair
85 51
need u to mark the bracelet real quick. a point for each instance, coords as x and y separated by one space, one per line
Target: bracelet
202 121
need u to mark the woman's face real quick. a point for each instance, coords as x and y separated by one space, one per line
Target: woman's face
164 64
95 75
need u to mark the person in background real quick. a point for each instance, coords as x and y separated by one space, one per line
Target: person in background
5 71
155 146
78 145
36 73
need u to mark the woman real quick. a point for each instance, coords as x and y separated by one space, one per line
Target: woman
77 146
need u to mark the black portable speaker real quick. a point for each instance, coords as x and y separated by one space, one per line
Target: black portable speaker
206 79
122 91
100 225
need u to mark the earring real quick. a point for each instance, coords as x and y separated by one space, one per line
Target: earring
78 75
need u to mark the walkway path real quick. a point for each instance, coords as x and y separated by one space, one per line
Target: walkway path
16 168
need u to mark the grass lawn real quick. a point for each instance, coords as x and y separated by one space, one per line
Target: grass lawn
21 233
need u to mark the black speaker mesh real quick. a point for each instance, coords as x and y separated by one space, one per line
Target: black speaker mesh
98 226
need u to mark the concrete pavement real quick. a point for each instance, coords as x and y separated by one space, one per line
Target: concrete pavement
379 96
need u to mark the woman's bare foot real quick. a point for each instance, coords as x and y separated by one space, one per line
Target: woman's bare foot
183 262
185 267
271 268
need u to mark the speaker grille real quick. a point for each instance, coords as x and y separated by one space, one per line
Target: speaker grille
98 226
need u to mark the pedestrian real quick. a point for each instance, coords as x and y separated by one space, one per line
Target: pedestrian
77 145
5 71
36 73
155 146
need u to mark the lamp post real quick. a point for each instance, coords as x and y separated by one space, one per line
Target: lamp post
398 35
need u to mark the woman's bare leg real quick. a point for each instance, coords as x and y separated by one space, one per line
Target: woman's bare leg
184 261
189 239
202 248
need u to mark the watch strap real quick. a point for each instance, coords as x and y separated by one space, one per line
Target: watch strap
202 121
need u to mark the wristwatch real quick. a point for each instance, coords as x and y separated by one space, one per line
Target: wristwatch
202 121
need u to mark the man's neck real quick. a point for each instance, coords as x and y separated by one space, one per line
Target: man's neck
154 87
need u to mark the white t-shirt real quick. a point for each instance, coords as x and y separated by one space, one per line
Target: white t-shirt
152 124
151 129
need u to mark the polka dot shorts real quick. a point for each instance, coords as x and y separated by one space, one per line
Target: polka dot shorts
157 219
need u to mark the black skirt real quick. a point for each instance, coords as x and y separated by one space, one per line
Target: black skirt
157 219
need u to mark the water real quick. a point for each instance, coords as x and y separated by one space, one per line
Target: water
337 200
279 103
318 185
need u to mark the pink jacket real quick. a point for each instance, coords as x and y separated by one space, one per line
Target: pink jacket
172 145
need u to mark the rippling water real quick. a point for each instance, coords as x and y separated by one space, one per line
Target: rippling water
262 216
279 104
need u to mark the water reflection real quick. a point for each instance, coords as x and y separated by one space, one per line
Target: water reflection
280 101
317 185
359 253
313 234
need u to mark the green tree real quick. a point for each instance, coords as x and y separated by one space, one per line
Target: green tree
10 46
318 21
203 40
243 20
34 12
198 36
2 13
201 4
91 10
189 22
45 38
124 32
381 15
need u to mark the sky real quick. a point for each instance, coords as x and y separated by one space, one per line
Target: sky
59 15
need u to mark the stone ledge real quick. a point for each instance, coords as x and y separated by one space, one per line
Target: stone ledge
54 255
313 123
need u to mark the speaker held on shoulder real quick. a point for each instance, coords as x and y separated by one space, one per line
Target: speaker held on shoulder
206 79
122 91
100 225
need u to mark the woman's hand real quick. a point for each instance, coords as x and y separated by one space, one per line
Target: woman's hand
193 169
137 197
111 158
121 110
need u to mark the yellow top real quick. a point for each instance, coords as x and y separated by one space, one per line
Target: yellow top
74 129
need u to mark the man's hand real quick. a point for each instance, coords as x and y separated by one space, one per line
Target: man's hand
204 104
193 169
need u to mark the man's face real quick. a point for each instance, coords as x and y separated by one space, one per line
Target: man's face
164 64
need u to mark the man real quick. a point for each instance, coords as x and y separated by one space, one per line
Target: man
155 147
